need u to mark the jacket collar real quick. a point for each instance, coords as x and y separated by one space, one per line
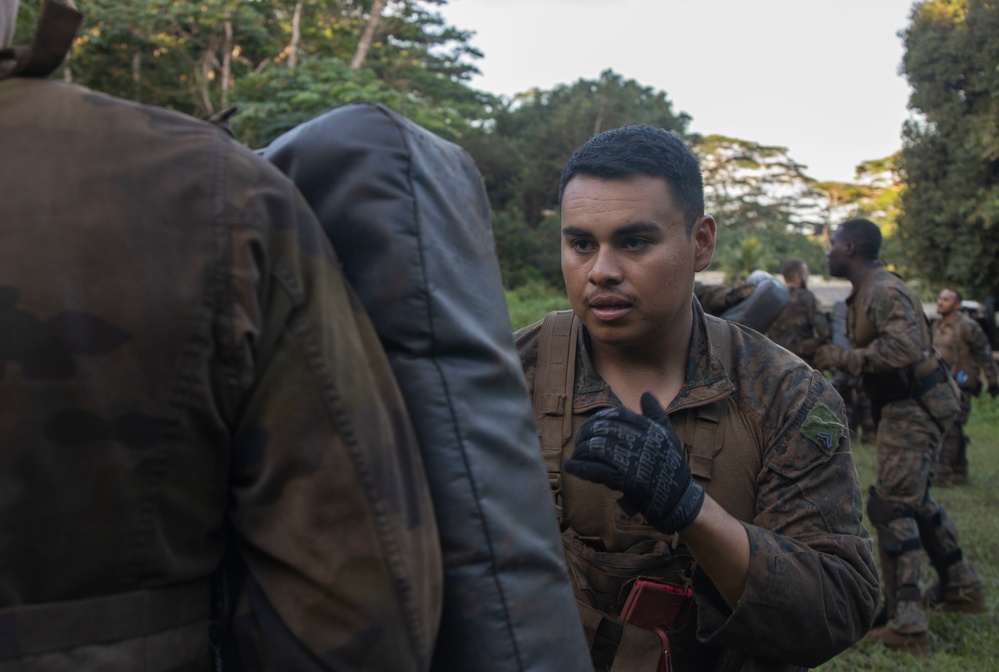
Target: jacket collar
706 380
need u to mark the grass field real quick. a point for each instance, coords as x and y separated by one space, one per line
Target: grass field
960 641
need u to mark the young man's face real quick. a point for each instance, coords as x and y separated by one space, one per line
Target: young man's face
946 302
838 254
627 259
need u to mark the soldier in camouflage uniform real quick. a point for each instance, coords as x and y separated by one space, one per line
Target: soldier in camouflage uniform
185 376
756 484
914 401
801 327
965 347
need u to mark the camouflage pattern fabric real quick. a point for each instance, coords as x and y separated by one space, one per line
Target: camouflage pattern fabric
966 349
886 329
801 505
716 299
185 373
800 327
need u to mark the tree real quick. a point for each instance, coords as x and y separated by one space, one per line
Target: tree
755 187
525 146
198 56
950 154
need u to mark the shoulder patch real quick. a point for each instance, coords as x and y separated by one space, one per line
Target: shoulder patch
823 427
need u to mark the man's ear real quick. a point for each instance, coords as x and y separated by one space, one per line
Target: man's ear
703 235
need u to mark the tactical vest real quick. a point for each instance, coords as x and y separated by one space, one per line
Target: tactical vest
927 381
958 355
602 578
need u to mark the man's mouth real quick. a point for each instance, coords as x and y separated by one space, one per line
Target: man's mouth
609 308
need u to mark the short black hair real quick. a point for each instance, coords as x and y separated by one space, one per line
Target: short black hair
791 266
865 236
957 294
642 150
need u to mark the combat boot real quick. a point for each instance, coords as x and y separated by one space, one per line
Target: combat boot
964 592
916 644
906 630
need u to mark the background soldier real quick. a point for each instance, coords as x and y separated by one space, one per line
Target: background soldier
800 327
184 375
965 347
913 401
744 487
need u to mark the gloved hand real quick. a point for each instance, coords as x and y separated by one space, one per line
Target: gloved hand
830 356
808 346
642 457
994 390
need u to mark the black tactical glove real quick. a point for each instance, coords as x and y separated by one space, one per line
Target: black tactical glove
640 456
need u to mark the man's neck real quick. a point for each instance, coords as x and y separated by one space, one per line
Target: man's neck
949 318
860 269
659 368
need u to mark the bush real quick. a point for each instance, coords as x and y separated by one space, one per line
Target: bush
532 301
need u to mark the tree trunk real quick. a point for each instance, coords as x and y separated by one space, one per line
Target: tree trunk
369 34
296 35
136 74
226 62
67 74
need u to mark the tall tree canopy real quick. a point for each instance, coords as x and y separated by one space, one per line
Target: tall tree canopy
950 154
524 148
281 61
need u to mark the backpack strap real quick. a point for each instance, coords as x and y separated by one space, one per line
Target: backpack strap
555 376
699 431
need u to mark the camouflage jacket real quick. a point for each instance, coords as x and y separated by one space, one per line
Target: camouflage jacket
185 375
812 587
801 327
886 325
966 349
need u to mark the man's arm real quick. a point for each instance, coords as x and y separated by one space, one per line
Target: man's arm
329 508
897 345
812 586
981 351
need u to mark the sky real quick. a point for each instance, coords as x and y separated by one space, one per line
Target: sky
819 77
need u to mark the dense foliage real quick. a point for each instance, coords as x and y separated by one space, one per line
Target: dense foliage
950 157
282 62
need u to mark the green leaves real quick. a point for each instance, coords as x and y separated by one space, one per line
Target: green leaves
950 157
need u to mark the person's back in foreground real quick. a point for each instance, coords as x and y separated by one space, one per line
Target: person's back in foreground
185 376
769 506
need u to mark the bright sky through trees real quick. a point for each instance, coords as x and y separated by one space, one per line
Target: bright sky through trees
819 77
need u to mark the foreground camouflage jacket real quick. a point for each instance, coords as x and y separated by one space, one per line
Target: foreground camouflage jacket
812 587
184 374
966 349
801 327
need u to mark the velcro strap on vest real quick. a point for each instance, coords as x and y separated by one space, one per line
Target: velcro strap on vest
555 376
37 628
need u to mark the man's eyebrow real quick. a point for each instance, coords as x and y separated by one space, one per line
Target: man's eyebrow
576 232
626 230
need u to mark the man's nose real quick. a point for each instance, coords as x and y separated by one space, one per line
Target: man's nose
606 267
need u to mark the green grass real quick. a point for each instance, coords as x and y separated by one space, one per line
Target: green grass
960 641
